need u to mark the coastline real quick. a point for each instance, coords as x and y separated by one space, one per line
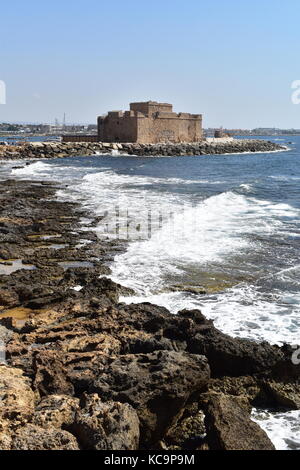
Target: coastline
67 149
74 355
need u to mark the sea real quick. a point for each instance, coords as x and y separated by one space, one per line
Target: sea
220 233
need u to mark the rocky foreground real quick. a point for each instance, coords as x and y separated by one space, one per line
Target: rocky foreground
84 371
67 149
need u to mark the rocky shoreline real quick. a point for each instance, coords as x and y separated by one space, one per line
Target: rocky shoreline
85 372
67 149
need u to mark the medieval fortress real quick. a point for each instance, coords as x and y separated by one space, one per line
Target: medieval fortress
150 129
150 123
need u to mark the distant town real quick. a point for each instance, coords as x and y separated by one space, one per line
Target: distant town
7 129
259 131
60 129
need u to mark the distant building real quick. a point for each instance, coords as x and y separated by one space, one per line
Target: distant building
150 122
219 133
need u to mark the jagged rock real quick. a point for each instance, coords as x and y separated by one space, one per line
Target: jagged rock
106 426
16 396
56 411
285 395
31 437
229 426
5 439
107 344
233 356
82 148
8 298
137 356
262 393
50 374
188 433
157 385
108 288
246 387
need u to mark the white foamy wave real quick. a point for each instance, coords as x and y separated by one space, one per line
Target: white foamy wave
6 167
246 187
117 179
242 311
213 233
206 233
45 171
196 235
131 197
283 428
285 178
37 168
284 148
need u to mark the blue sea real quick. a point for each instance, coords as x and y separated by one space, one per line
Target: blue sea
220 233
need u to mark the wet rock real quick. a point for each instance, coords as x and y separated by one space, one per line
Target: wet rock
247 388
106 287
286 395
233 356
229 427
145 365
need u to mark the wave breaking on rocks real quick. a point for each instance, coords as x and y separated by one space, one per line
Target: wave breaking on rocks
83 371
66 149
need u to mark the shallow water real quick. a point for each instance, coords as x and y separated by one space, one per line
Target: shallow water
9 267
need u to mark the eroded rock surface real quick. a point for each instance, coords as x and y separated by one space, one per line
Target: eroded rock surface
106 425
229 427
84 371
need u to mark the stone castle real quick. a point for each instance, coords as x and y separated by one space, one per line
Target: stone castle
150 123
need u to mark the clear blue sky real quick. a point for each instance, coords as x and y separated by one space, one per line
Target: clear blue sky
232 60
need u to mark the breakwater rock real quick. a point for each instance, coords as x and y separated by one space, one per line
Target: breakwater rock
84 371
66 149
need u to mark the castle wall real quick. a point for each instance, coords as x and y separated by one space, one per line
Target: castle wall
117 128
169 128
150 122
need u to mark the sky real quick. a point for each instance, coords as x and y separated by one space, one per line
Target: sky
234 61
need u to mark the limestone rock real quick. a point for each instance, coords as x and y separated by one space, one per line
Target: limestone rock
229 426
106 426
157 385
56 411
284 394
50 374
8 298
246 387
232 356
16 396
31 437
